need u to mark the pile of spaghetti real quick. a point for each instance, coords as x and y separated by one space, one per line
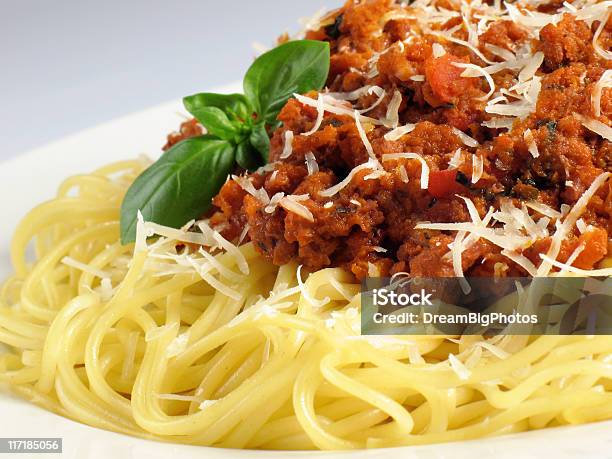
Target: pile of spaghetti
216 346
452 139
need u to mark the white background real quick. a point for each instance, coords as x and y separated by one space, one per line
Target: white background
66 65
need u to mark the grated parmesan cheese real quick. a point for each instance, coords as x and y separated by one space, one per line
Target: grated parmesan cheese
371 164
457 253
380 92
568 223
575 254
311 163
438 50
424 166
317 124
500 52
140 244
306 294
477 168
334 106
202 269
177 345
466 139
92 270
446 35
498 123
533 21
261 195
353 95
497 351
403 174
477 71
292 204
226 245
604 272
244 233
581 225
399 132
392 117
456 160
596 126
459 368
543 209
288 147
363 136
531 143
606 54
530 69
521 260
270 208
605 81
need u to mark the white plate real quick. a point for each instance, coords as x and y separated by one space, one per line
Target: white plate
32 178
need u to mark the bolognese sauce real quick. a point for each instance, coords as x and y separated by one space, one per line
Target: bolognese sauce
452 138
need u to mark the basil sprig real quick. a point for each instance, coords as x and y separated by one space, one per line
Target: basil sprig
295 67
181 184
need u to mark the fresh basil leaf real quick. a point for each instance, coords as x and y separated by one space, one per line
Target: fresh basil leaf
294 67
261 141
217 123
235 106
179 186
247 156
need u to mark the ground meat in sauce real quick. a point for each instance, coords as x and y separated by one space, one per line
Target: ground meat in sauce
189 128
368 227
